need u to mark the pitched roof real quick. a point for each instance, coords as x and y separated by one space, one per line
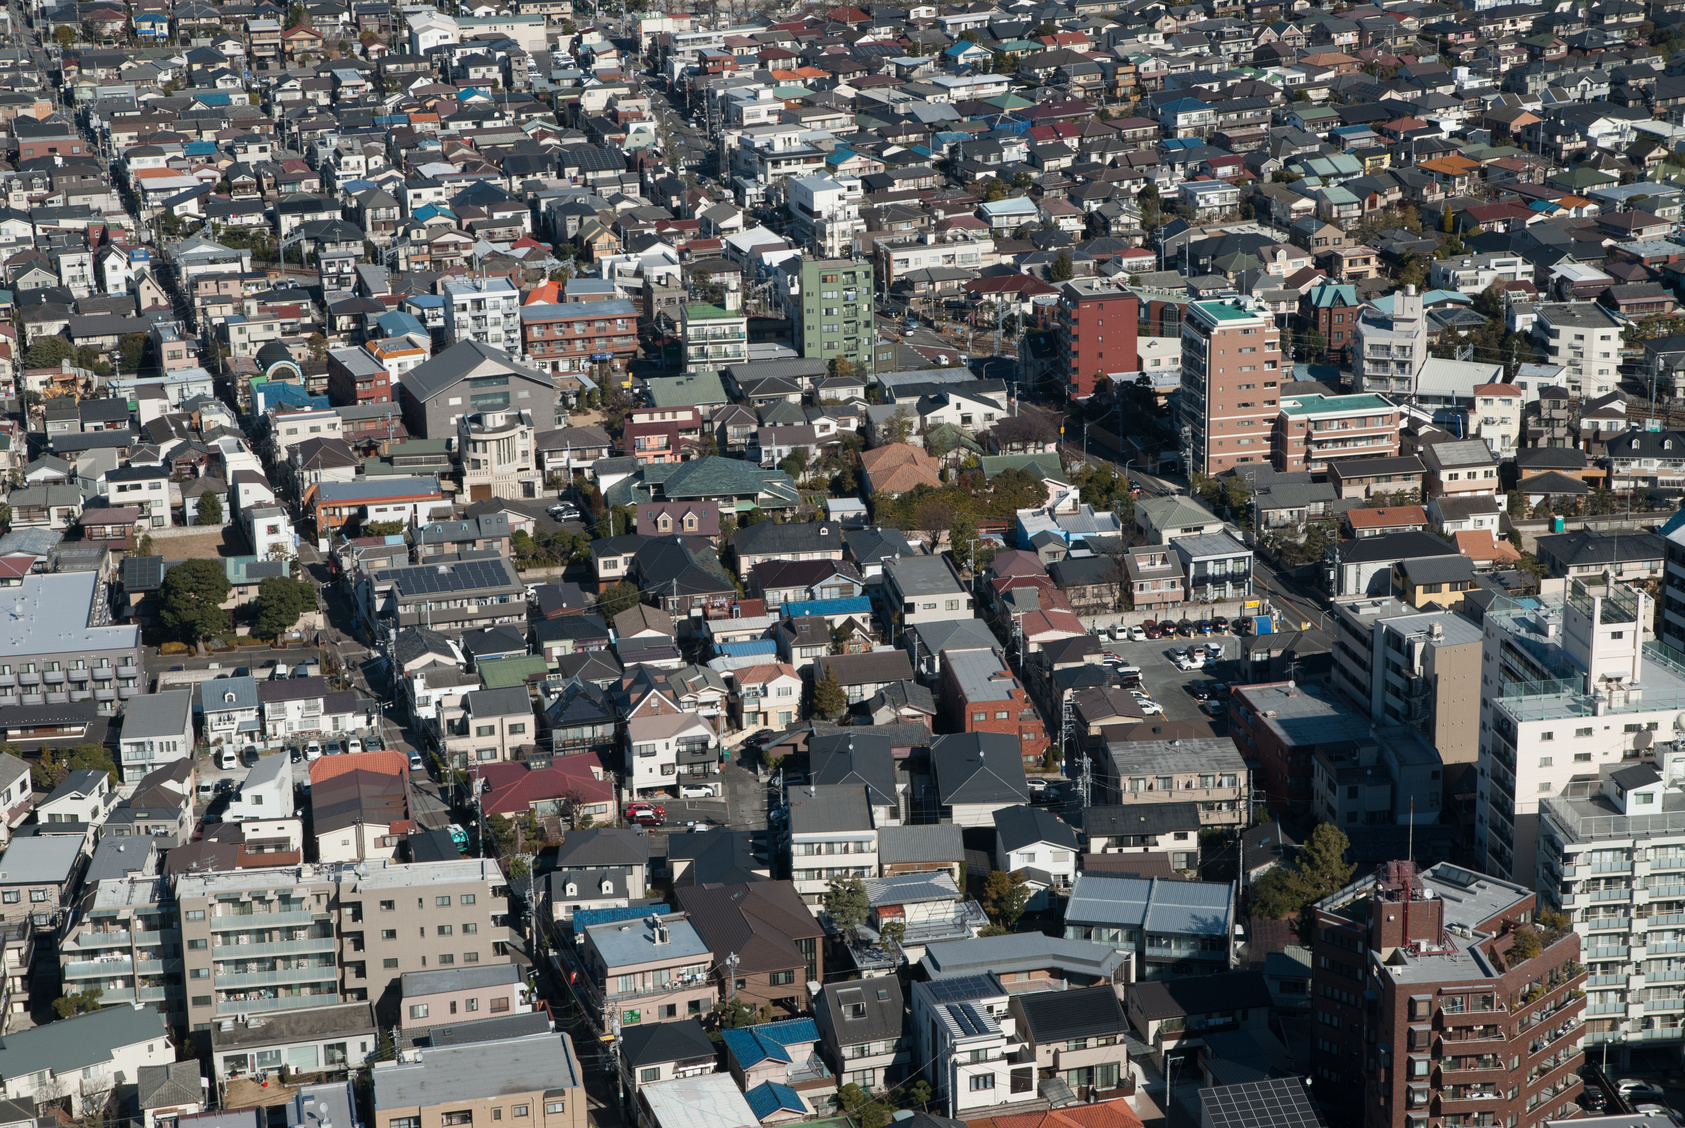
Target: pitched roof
760 922
979 767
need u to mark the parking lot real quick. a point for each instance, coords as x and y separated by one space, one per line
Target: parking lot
1168 685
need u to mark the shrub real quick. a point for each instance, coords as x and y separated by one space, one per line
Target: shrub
175 648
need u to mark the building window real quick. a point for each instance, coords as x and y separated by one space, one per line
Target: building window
982 1082
418 1010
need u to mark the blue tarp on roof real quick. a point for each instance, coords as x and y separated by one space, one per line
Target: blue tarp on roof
585 918
859 605
752 649
199 148
770 1097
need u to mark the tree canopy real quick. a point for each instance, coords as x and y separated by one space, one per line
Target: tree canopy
623 596
209 509
1320 869
55 764
846 903
1004 896
829 700
192 594
280 601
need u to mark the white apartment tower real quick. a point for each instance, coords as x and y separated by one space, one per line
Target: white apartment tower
487 310
1569 684
826 214
1390 350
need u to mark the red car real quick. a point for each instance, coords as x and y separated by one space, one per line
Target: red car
645 810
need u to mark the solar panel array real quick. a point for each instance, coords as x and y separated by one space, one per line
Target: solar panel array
143 573
1278 1102
428 579
961 988
969 1020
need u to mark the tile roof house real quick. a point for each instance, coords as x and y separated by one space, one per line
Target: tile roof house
777 940
895 468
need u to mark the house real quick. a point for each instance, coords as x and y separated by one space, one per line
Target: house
158 728
450 995
925 589
656 969
831 837
776 939
661 750
780 1060
862 675
1176 1014
651 1052
592 858
534 1077
980 694
1173 928
82 1060
862 1025
966 1038
977 774
1080 1035
1464 466
1040 843
771 540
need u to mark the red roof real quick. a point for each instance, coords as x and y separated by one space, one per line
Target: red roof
512 788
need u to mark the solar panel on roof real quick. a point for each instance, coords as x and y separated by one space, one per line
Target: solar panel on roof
960 988
430 580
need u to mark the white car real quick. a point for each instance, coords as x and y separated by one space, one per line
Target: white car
1148 706
313 751
1036 784
1191 662
354 745
1137 634
696 791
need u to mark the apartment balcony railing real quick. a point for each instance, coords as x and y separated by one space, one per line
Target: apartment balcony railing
260 920
274 1003
328 974
275 948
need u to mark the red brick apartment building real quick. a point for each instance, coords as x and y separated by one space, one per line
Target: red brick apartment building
1426 1011
979 694
580 336
1279 726
1096 328
1231 382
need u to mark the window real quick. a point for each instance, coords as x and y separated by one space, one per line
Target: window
388 906
644 1075
389 934
521 1110
39 896
781 978
389 962
441 902
498 1005
1545 761
447 958
196 945
465 899
555 1108
196 914
418 1010
446 930
982 1082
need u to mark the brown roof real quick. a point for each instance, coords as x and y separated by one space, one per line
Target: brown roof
761 922
1387 517
898 467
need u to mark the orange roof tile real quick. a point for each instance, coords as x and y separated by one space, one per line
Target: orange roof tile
1480 544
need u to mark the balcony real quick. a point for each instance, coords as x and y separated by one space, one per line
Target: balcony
275 1003
261 920
327 973
277 948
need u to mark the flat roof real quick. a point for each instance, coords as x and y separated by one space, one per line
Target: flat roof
477 1071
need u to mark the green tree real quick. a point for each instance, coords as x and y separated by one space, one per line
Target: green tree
1320 869
318 346
1312 344
893 934
280 601
860 1107
734 1013
131 349
55 765
209 509
1525 944
829 700
78 1002
64 36
996 189
191 596
1004 896
962 536
846 903
143 547
841 367
1062 270
48 352
1515 503
919 1094
623 596
900 425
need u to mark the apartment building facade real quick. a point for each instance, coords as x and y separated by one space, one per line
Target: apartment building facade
1585 340
1417 668
979 693
271 940
65 648
1457 1024
1389 350
126 940
591 337
1231 379
835 312
486 310
831 838
1096 328
1568 685
714 338
1313 430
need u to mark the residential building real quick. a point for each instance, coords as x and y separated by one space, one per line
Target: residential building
1393 777
1568 684
834 312
1314 430
1420 668
1214 566
831 837
925 589
64 646
497 455
1585 340
980 694
1095 332
595 856
1231 376
1497 418
231 714
494 724
713 338
124 930
1457 992
777 1065
535 1077
1588 555
862 1023
83 1060
486 310
296 707
1171 928
1040 843
657 969
1459 468
1080 1035
446 996
471 377
1389 350
1640 460
1279 725
967 1040
600 338
664 749
157 730
1174 1016
1203 770
652 1052
977 774
329 934
778 943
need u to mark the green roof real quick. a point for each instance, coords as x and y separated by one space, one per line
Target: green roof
1008 102
1045 465
1223 311
686 391
722 479
506 673
1319 404
703 312
1575 178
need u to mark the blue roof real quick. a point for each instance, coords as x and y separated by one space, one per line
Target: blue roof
288 395
1180 143
859 605
397 323
213 98
750 649
1183 106
1673 523
769 1097
426 301
585 918
197 148
751 1045
427 211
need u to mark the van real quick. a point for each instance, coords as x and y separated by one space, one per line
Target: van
460 837
228 759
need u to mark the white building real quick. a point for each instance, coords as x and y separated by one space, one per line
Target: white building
1472 274
81 1060
267 792
968 1040
826 213
157 730
429 28
1612 857
831 838
657 746
487 310
1389 349
1585 340
498 460
1568 685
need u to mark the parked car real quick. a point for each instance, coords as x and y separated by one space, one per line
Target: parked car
295 754
279 673
313 750
1205 626
1136 634
228 760
1220 623
415 762
1594 1099
643 808
1176 653
696 791
646 820
354 745
1191 662
334 748
1036 785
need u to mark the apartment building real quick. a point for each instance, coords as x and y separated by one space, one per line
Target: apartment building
595 337
825 212
64 647
713 338
1095 327
979 693
1585 340
1231 378
925 589
1389 350
656 969
1313 430
493 725
534 1078
664 750
1458 469
1426 1004
486 310
967 1038
270 940
157 730
356 376
834 311
497 455
1170 929
1279 726
1568 684
1497 417
1409 667
1205 770
124 931
1611 852
1392 777
831 837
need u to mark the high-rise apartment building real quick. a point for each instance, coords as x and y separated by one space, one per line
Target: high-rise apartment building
1231 383
1585 339
1568 684
1096 327
1612 857
487 310
261 941
1410 667
1389 350
1428 1009
714 338
834 311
